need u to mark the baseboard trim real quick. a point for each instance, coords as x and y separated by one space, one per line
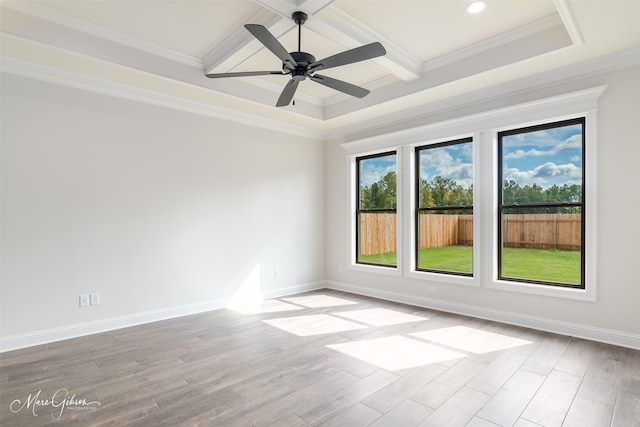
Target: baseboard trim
46 336
592 333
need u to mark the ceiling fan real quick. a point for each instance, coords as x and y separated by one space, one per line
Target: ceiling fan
300 65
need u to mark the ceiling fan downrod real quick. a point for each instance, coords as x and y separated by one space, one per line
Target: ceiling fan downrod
299 18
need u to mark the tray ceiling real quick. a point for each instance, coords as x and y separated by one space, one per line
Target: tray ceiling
434 48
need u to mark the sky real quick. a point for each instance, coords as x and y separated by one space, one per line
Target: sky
372 170
451 161
545 157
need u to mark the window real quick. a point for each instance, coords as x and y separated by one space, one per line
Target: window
444 207
376 219
541 226
521 181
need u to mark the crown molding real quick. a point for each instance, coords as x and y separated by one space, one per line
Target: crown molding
101 32
408 118
58 76
542 109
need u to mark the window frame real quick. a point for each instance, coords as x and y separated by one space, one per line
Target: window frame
418 209
501 206
358 211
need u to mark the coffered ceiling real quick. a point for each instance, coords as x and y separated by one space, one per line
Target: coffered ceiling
435 49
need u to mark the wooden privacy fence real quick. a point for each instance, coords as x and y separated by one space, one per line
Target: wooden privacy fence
535 231
377 233
542 231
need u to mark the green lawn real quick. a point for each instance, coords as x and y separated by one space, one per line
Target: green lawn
546 265
532 264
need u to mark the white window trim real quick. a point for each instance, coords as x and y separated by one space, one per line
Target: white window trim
353 263
484 128
410 268
589 293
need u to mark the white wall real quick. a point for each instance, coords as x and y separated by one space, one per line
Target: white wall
616 310
168 212
152 208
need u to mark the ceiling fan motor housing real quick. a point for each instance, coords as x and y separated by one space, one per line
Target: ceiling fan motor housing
303 59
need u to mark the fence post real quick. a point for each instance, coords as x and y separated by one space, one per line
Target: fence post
464 231
555 231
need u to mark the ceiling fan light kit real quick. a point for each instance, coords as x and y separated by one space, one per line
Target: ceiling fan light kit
302 65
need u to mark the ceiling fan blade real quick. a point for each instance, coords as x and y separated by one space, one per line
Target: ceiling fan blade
358 54
341 86
243 74
271 43
287 94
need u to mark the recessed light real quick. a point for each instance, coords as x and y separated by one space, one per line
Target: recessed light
475 7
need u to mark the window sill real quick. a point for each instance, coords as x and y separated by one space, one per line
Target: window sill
444 278
388 271
545 290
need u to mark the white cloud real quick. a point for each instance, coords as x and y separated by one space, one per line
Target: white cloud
452 162
371 173
543 174
572 143
518 154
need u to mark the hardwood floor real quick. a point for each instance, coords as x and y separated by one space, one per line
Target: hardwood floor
323 358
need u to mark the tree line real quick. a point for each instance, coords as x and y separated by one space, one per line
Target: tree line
446 192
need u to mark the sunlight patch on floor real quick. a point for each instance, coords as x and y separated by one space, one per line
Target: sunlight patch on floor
380 317
471 339
315 324
396 352
318 301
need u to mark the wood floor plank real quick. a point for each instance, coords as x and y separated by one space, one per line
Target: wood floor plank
577 357
479 422
349 395
602 378
525 423
390 396
406 414
498 372
355 416
230 368
303 400
626 411
507 404
446 385
550 404
458 410
588 413
545 357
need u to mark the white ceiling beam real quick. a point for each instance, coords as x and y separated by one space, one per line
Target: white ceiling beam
345 30
333 23
241 45
570 23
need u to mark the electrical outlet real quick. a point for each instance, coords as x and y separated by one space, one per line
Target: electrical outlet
276 274
433 290
95 299
84 300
